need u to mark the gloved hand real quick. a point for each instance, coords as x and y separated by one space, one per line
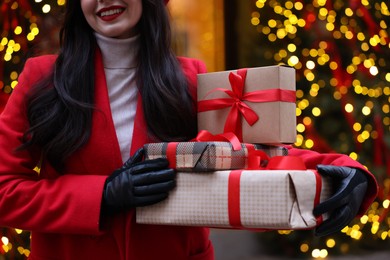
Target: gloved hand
350 187
137 183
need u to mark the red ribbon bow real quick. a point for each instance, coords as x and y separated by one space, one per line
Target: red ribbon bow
237 104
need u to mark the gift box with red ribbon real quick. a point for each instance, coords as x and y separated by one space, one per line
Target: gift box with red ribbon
242 199
257 104
212 156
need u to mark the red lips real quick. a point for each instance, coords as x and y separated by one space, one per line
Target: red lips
110 13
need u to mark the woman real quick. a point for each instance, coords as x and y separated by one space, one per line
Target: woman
114 86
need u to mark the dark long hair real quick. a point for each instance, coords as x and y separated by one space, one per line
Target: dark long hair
60 107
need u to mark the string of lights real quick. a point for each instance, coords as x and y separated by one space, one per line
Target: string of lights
20 22
341 52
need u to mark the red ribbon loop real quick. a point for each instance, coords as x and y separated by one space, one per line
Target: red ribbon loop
206 136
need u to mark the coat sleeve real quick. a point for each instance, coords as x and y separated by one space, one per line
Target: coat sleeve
312 159
63 203
191 68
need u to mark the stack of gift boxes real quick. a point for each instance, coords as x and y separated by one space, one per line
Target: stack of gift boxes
237 173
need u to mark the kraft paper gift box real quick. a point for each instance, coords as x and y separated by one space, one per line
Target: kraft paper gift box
257 104
249 199
210 156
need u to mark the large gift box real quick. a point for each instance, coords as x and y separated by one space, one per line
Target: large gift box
242 199
257 104
211 156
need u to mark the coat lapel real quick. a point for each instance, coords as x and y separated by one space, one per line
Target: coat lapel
101 155
140 129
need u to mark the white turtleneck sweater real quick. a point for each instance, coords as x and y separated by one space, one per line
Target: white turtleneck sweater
120 65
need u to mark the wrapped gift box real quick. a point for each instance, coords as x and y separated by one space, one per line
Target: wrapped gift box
256 104
209 156
256 199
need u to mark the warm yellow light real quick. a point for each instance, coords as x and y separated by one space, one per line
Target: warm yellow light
364 219
348 11
316 253
330 27
5 240
310 76
374 70
303 104
304 248
316 111
291 47
365 46
366 111
301 128
18 30
35 31
349 35
386 204
309 143
357 127
330 243
7 56
310 65
293 60
333 65
299 141
386 108
255 21
307 120
323 253
46 8
272 23
298 5
30 36
272 37
354 156
349 108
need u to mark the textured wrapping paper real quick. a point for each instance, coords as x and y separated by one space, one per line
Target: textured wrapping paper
256 199
256 104
209 156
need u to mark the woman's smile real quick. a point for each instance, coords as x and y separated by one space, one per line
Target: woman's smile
110 13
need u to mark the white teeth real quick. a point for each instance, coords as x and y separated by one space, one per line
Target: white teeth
110 12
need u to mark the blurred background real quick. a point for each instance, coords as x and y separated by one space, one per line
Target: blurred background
341 53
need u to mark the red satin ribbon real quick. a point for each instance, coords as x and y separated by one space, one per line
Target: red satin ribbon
171 154
317 197
277 163
236 102
206 136
234 199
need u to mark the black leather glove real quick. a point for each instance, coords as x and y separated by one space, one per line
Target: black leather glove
350 187
137 183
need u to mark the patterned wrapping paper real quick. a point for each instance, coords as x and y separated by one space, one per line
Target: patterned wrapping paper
210 156
277 199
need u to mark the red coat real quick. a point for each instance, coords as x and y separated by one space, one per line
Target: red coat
63 211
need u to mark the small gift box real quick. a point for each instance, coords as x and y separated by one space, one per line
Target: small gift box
242 199
257 104
211 156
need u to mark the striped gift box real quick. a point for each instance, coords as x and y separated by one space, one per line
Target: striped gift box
210 156
242 199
